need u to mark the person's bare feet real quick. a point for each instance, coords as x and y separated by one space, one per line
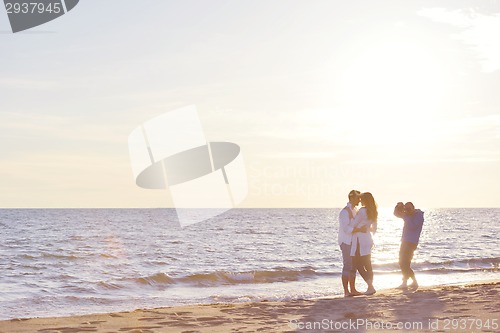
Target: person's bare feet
356 293
402 286
370 291
414 285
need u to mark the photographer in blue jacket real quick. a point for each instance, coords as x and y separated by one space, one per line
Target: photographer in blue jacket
413 222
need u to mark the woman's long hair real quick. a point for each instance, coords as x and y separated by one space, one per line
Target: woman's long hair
371 206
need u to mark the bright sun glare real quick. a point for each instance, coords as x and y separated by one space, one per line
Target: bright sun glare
388 85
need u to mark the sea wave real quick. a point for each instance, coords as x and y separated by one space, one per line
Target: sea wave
464 265
471 264
218 278
225 278
159 278
48 256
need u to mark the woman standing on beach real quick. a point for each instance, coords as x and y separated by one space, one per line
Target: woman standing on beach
362 242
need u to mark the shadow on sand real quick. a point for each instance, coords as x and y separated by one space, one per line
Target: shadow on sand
372 313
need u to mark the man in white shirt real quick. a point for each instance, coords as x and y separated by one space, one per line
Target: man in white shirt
345 238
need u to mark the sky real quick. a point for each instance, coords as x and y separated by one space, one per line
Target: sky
396 98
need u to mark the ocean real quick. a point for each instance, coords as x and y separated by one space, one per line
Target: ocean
58 262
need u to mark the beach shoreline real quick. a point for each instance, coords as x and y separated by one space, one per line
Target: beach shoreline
455 308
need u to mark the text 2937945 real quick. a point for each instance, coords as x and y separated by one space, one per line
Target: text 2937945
33 7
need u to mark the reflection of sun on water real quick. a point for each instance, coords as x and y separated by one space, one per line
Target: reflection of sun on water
387 237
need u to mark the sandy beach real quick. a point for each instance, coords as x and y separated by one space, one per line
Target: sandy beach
461 308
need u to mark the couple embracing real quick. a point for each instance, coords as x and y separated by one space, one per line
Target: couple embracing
355 240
